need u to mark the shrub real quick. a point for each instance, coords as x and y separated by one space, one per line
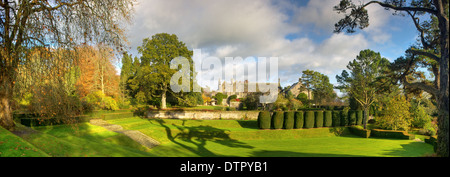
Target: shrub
100 101
352 117
396 115
336 119
264 120
277 120
359 131
299 120
344 117
391 134
288 120
359 117
327 121
309 119
318 119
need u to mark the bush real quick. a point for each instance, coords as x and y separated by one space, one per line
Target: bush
309 119
327 121
344 117
277 120
336 119
100 101
359 131
264 120
396 115
359 117
352 117
288 120
318 119
299 121
391 134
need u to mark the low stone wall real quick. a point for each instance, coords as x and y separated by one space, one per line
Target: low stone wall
205 115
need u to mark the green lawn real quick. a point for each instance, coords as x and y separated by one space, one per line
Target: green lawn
242 138
204 138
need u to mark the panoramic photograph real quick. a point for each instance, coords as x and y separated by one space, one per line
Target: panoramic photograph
224 78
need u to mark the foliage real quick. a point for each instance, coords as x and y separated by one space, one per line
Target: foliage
101 101
277 120
336 119
288 120
327 121
309 119
363 83
320 85
264 120
397 115
318 116
153 77
303 98
219 97
299 119
251 101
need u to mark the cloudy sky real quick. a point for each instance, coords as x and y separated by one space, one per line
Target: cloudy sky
299 33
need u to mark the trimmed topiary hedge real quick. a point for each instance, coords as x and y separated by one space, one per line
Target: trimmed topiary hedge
344 118
264 120
288 120
359 131
352 117
309 119
318 119
277 120
359 117
327 121
336 119
391 134
299 120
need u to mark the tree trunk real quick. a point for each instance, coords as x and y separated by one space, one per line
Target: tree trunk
366 116
443 104
6 116
163 99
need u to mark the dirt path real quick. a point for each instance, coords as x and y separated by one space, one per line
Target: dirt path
133 134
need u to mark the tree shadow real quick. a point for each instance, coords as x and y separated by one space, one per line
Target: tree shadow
341 131
199 136
265 153
413 149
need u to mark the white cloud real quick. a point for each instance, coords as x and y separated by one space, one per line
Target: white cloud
254 28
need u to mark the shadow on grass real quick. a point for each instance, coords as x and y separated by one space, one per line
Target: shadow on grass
412 149
265 153
199 136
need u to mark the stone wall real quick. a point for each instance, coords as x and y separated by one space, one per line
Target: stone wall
205 115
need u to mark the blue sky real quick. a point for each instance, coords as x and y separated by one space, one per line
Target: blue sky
300 32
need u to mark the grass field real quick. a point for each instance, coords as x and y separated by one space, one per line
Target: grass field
242 138
204 138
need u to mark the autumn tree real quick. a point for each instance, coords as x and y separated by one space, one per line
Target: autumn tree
435 48
53 24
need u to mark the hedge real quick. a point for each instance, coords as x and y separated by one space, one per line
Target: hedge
391 134
359 117
309 119
264 120
299 121
117 115
288 120
352 117
277 120
344 118
433 141
51 121
318 119
327 121
336 118
359 131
